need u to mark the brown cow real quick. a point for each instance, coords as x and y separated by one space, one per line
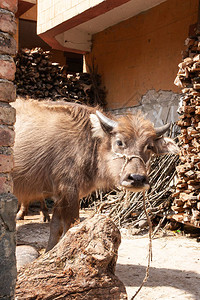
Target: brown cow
66 151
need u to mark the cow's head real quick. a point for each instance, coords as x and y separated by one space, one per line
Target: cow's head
127 145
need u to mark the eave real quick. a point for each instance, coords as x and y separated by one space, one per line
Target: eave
24 6
75 34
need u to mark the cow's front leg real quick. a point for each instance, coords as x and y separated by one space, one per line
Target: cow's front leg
55 229
65 214
70 215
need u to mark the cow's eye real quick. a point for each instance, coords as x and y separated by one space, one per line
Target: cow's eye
150 147
119 143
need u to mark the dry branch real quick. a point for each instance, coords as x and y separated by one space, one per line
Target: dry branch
127 207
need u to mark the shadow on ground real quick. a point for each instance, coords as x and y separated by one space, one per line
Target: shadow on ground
160 277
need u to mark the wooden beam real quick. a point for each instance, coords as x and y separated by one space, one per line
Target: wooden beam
23 6
198 19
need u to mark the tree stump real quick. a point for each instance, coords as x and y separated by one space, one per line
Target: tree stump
80 266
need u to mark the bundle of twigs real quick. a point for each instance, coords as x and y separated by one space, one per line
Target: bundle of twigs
127 207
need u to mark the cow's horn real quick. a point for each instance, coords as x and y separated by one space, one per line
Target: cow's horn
161 130
106 122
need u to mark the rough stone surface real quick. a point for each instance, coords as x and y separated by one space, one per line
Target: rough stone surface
8 203
8 208
7 44
159 106
7 91
25 254
10 5
6 150
6 183
6 163
7 67
7 114
80 266
34 234
7 22
6 136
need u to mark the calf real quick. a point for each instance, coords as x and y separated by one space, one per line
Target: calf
66 151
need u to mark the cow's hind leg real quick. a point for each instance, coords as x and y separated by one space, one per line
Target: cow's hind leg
22 212
44 210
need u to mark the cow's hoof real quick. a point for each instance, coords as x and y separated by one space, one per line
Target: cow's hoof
45 219
19 217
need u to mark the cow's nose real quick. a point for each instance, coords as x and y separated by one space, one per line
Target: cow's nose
137 180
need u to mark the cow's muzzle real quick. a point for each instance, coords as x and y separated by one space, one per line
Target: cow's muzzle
135 181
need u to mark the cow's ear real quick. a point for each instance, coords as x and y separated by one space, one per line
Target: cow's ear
164 145
101 124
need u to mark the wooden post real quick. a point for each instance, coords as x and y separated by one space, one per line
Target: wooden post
198 20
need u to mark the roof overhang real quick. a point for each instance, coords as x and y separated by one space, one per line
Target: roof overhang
24 6
75 34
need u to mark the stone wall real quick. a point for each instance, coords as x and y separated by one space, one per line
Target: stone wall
8 203
158 106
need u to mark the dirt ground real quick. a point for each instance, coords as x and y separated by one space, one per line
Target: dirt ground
175 268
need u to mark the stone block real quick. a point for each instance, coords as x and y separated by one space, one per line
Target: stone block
7 22
7 44
10 5
25 254
7 91
8 272
6 163
6 150
7 67
7 114
6 136
6 184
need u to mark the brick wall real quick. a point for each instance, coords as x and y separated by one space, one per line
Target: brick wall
8 203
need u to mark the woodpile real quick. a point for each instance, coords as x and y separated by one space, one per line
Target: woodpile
187 195
80 266
38 77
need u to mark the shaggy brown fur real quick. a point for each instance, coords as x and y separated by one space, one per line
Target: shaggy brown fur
64 151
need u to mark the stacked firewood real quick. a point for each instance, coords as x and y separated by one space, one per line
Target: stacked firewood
38 77
187 196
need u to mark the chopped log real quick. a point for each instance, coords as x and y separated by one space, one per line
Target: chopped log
186 196
178 209
38 77
80 266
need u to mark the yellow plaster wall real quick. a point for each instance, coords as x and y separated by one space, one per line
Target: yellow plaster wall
142 53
